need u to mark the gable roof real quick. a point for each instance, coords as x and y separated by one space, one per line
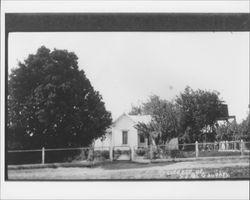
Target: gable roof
135 118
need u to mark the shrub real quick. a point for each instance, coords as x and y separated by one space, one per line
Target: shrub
189 148
105 154
175 153
156 153
126 152
97 153
83 155
160 153
117 153
140 152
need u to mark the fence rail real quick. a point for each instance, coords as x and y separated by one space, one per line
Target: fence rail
20 151
193 150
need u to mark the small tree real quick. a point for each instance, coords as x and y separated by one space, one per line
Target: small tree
149 131
164 125
52 103
244 128
227 131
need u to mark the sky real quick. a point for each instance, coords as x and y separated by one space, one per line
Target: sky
127 67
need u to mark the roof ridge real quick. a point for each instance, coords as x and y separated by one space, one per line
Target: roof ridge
135 118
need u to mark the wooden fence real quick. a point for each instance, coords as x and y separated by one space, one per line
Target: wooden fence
193 150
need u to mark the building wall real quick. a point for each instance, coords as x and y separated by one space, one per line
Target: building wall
124 124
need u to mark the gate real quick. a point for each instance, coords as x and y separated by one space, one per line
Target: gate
121 153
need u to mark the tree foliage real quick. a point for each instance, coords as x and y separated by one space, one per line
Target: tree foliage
200 110
150 131
244 128
52 103
234 131
192 116
135 110
227 131
164 123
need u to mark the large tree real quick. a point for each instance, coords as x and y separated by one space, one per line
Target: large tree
200 110
52 103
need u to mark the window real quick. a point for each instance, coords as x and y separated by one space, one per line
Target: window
124 137
142 139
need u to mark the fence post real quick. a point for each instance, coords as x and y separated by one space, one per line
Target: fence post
43 155
132 153
242 147
151 152
111 153
196 149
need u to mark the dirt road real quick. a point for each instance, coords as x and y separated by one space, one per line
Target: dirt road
226 168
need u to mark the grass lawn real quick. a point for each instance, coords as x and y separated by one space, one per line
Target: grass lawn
122 170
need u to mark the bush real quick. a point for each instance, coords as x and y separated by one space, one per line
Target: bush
157 153
140 152
187 147
97 154
175 153
101 155
117 153
160 152
83 155
105 154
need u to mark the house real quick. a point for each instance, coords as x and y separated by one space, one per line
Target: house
123 133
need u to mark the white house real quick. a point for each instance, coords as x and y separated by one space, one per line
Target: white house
123 133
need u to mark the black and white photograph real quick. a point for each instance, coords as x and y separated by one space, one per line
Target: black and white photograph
157 98
128 105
